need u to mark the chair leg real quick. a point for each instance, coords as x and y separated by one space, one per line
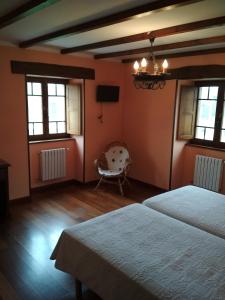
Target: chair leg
120 186
127 181
78 289
98 184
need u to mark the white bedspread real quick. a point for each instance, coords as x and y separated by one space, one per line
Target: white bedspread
193 205
136 253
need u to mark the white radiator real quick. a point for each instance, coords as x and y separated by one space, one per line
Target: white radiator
208 172
53 164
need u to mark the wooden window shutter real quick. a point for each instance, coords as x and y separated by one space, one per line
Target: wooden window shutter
187 112
73 105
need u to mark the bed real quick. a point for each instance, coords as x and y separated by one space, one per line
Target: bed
139 252
193 205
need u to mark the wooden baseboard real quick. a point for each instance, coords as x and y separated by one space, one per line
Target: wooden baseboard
20 200
147 184
54 185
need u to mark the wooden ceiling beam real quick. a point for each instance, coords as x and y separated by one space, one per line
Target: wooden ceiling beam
180 54
188 27
108 20
24 10
178 45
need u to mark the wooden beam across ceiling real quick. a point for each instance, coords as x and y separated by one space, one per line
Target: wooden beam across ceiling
180 54
182 28
108 20
24 10
178 45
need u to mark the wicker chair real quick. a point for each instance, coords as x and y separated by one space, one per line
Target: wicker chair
113 165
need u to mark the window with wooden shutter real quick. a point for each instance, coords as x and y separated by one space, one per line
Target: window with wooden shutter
74 106
187 112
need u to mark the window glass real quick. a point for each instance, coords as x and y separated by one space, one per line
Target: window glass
31 128
52 127
200 133
46 111
60 88
206 113
38 128
222 136
56 108
223 119
61 127
36 88
209 133
213 92
29 88
35 109
203 92
52 89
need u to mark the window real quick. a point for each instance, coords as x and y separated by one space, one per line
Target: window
210 116
46 100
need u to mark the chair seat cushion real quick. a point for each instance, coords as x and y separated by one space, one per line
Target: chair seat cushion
110 173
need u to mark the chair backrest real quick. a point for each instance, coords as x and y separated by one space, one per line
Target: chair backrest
117 156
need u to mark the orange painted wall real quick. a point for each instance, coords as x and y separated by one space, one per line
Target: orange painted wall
13 125
184 155
148 127
148 123
144 119
97 134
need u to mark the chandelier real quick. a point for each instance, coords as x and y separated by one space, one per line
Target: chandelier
153 81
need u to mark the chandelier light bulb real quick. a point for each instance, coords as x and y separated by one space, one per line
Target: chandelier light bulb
165 65
143 64
136 67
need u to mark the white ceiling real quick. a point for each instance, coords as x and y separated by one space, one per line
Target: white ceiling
65 13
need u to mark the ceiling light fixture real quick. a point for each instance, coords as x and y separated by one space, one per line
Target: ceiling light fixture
146 80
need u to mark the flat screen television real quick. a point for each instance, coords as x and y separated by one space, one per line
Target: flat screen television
107 93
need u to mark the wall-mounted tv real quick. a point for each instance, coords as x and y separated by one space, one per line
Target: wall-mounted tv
107 93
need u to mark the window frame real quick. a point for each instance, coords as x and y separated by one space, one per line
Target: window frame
219 114
44 82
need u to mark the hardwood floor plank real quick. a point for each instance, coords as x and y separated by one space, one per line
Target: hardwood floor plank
29 235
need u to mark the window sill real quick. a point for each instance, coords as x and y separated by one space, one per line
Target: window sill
205 147
51 140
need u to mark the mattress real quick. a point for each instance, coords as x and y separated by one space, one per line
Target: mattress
193 205
138 253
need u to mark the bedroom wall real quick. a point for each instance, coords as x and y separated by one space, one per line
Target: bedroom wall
13 125
148 130
184 154
148 123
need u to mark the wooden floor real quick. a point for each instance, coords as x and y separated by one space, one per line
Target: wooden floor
29 235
